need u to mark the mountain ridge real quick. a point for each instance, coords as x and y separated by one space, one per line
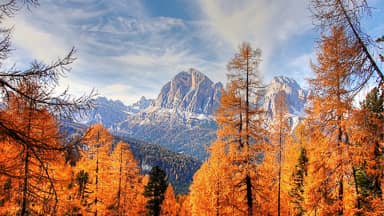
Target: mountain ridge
181 118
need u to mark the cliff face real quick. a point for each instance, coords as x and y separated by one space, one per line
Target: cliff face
191 92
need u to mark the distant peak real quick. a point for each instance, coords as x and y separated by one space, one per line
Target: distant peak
284 80
195 72
102 99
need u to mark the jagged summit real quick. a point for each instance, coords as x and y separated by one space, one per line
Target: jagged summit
283 81
296 97
141 104
190 91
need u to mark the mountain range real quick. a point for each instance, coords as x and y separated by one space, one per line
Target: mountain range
181 118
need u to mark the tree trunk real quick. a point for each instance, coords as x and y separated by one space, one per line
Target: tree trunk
25 186
97 171
26 165
279 175
120 176
249 195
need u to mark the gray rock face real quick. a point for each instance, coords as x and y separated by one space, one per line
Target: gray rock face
192 92
107 112
296 97
111 113
142 104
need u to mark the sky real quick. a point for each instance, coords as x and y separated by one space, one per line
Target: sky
126 49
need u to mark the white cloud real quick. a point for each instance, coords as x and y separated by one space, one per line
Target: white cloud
38 43
262 22
265 24
300 67
125 53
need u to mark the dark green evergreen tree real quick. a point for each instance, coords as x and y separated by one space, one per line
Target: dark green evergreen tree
374 102
297 191
154 191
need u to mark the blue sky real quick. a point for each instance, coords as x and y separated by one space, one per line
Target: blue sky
130 48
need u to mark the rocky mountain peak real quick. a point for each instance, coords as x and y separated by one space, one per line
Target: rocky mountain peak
190 91
141 104
296 97
197 78
284 82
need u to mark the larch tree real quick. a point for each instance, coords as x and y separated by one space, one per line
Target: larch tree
169 205
348 14
274 164
331 103
212 191
184 208
247 117
280 133
95 160
41 108
297 191
124 181
41 152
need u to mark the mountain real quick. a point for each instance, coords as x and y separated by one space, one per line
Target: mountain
181 118
110 113
190 92
107 112
296 99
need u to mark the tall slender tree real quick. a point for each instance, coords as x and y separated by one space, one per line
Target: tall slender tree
169 206
280 130
299 171
297 191
244 75
40 151
96 160
329 118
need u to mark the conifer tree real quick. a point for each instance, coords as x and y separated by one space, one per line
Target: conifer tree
246 116
369 126
95 160
332 190
280 135
123 179
169 205
39 153
154 191
297 191
29 127
212 190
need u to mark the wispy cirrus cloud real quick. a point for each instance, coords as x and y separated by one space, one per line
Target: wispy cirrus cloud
268 25
116 47
130 48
